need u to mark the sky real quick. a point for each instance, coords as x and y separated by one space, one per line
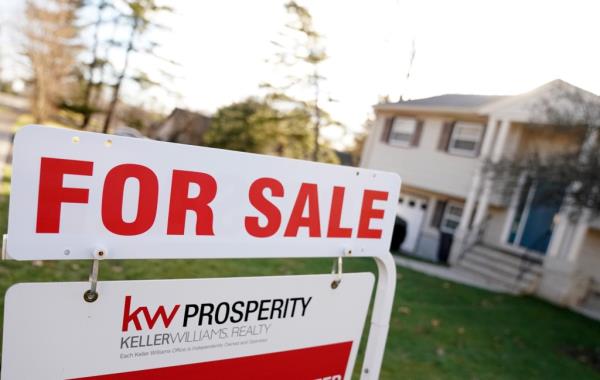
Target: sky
473 47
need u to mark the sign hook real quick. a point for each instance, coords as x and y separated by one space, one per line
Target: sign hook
338 271
91 294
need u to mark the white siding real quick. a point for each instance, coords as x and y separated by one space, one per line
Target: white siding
423 166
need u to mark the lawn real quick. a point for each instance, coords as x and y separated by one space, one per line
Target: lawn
439 330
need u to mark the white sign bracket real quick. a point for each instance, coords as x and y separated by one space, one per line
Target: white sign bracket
380 317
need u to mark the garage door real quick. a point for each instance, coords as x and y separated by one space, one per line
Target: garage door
412 210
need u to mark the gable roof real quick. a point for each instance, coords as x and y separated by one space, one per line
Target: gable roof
182 126
536 105
447 103
453 100
547 104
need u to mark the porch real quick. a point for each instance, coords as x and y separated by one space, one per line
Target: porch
525 242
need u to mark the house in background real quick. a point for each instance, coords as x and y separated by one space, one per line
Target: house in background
439 145
181 126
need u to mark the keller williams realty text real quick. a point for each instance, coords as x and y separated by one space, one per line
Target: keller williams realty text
209 314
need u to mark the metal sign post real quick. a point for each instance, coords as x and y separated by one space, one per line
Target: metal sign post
78 194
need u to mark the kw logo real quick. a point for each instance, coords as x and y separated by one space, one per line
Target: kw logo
161 313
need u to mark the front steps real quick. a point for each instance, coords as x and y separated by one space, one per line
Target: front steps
521 273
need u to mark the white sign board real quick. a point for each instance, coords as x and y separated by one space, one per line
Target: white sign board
294 327
77 192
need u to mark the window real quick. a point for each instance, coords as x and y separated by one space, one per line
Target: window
465 138
402 132
451 218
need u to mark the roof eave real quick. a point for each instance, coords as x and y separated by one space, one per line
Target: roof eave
394 107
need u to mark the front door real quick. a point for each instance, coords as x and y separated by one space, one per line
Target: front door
534 219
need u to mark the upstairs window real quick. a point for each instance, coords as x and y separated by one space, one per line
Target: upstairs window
465 139
461 138
402 131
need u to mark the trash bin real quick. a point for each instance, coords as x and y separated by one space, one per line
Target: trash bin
445 246
398 235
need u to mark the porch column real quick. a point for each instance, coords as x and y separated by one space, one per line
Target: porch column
560 234
496 155
490 133
579 234
581 228
512 208
567 236
562 281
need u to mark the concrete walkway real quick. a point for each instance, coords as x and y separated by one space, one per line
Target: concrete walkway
7 120
11 107
453 274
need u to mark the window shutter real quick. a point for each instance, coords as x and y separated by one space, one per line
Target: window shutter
438 213
387 129
445 135
483 130
416 137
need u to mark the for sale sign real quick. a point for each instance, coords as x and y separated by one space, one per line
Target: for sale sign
294 327
77 192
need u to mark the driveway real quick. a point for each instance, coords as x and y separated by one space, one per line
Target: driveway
10 110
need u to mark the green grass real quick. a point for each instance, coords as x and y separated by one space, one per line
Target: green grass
27 119
439 330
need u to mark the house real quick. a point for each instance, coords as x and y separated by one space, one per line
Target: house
182 126
439 146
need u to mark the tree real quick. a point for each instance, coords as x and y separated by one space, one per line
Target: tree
140 16
51 48
253 125
300 53
568 176
2 85
94 80
360 139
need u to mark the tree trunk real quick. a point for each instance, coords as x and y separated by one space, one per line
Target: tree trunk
317 118
40 96
117 87
90 82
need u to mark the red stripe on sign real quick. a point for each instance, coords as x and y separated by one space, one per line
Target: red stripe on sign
305 363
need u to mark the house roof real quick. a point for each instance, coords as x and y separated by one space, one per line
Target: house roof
453 100
183 117
447 103
182 126
555 97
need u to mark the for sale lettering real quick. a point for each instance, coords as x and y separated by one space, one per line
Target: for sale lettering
304 216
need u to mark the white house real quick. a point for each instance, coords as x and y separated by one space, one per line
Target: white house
439 145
